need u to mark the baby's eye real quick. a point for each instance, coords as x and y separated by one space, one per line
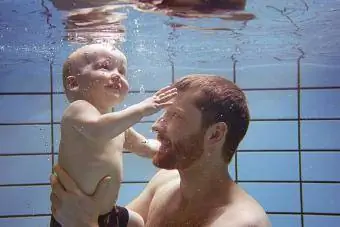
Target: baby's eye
104 66
122 70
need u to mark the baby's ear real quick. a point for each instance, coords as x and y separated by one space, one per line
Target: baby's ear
71 83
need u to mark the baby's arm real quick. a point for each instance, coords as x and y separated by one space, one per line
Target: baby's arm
138 144
86 119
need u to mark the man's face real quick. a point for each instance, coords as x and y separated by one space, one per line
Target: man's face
180 133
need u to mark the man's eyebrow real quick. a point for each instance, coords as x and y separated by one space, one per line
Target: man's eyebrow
177 109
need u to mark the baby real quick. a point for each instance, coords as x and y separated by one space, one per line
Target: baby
93 137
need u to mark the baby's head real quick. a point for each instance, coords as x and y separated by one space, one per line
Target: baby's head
96 73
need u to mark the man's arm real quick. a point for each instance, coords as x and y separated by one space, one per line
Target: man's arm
70 206
141 204
138 144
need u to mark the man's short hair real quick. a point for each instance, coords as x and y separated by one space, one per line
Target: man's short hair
219 100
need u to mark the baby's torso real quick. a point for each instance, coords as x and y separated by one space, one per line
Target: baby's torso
87 162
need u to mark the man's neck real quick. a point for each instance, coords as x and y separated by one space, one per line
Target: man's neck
205 180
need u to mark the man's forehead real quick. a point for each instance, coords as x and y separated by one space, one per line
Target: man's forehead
184 101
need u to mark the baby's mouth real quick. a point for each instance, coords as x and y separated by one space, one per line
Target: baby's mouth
116 86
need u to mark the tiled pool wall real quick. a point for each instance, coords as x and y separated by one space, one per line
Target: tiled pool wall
288 160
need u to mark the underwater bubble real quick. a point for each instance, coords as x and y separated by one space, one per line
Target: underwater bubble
142 89
46 146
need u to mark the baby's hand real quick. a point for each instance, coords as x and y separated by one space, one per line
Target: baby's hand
158 101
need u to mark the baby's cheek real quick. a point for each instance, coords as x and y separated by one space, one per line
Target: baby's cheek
175 129
125 85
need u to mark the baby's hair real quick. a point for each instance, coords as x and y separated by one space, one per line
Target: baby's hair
68 68
109 45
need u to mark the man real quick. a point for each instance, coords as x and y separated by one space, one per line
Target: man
199 135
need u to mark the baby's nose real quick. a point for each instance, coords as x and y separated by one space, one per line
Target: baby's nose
115 78
116 81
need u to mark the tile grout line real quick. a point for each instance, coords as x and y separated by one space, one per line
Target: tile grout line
235 155
151 121
153 91
269 212
52 116
146 181
264 151
299 135
172 64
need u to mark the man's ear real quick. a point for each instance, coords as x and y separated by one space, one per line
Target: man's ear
71 83
216 133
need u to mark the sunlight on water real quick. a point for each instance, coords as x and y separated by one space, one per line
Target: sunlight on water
278 30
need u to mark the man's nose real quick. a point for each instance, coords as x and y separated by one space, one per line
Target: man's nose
159 125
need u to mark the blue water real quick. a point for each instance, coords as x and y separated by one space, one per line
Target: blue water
286 59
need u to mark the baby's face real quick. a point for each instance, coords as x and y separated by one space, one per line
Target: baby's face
102 76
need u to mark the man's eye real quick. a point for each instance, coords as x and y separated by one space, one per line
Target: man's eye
175 115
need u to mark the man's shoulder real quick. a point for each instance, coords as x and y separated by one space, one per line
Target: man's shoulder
244 212
244 217
162 177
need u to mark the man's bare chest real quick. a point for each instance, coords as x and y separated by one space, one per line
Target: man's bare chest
169 211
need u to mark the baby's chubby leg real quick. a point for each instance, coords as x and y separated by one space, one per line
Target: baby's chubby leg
135 220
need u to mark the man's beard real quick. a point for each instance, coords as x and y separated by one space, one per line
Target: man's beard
180 154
